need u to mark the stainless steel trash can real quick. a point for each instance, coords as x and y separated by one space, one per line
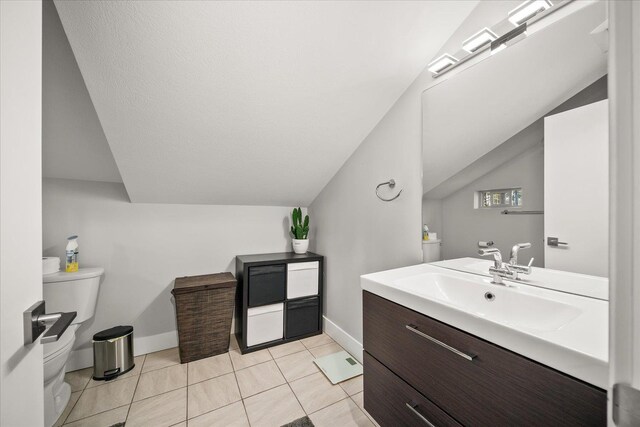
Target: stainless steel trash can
112 352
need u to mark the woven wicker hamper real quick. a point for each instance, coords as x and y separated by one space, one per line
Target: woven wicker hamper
204 309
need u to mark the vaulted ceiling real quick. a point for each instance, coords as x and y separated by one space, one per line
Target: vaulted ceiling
246 102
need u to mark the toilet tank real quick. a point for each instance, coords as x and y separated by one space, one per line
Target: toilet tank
78 291
431 250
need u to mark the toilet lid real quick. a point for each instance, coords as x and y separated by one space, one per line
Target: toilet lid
52 349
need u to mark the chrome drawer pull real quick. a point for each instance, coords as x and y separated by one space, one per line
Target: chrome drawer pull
415 330
419 415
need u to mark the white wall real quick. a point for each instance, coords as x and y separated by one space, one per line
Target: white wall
69 121
144 247
464 226
21 391
360 234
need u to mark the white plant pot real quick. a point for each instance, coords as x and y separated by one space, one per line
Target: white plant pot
300 246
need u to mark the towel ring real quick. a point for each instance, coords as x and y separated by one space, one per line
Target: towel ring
391 183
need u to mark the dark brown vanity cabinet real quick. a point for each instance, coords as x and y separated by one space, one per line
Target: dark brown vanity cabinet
279 298
410 379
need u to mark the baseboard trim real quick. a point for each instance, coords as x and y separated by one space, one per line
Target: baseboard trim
83 357
349 343
144 345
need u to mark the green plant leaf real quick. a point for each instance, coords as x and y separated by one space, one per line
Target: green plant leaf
299 230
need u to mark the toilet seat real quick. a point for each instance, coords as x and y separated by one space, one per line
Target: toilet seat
53 349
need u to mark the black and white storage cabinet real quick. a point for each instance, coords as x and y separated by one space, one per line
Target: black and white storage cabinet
279 298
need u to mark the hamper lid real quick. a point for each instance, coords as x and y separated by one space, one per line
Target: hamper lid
111 333
188 284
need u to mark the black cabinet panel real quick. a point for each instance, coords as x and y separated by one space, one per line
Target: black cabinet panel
262 280
267 284
302 317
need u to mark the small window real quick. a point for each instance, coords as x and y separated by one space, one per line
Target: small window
509 197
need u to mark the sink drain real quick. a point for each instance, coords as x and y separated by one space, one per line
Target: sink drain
489 296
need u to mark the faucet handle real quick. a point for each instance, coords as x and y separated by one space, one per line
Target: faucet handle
513 256
497 256
521 268
488 251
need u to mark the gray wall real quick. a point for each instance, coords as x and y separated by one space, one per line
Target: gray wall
144 247
464 226
360 234
432 215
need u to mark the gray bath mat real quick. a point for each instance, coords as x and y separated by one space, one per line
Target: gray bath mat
300 422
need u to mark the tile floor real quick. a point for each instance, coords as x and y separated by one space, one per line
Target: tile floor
267 388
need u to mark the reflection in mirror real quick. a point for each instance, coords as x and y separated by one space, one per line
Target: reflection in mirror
516 151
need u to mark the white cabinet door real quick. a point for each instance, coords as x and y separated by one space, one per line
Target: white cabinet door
576 189
265 323
302 279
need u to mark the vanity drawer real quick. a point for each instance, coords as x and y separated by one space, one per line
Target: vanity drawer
477 382
393 402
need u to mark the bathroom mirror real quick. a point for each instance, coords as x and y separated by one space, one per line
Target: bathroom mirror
515 150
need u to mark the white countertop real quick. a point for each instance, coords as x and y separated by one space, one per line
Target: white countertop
564 281
568 333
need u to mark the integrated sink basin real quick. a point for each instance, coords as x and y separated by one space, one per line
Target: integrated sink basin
509 305
564 281
562 330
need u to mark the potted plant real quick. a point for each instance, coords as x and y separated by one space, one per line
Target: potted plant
299 231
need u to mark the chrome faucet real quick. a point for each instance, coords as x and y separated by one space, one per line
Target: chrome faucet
513 259
508 270
499 269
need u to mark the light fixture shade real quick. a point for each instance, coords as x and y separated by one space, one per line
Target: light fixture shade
527 10
478 40
440 63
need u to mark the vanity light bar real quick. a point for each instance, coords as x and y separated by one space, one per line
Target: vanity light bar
478 40
441 63
526 13
527 10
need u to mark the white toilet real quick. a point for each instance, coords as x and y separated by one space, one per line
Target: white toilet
65 292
